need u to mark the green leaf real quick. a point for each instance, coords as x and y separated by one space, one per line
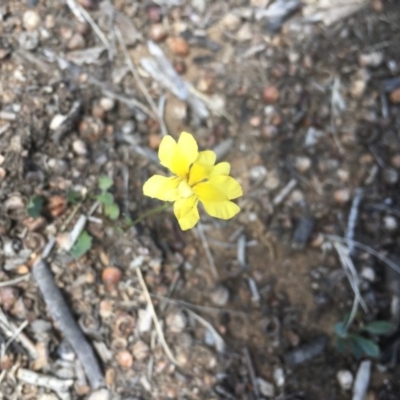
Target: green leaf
369 347
82 245
105 198
35 206
73 196
105 183
340 329
378 327
111 211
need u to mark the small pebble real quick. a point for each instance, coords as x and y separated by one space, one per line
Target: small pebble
390 223
368 274
111 276
220 295
270 94
266 388
345 379
79 147
180 67
176 321
154 141
101 394
395 96
107 104
255 121
231 22
178 46
390 176
8 297
57 121
154 13
269 131
395 161
31 20
244 33
158 32
125 359
140 350
88 4
303 164
342 196
77 42
279 376
374 59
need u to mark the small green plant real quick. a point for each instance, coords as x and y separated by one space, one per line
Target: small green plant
73 197
35 206
110 207
358 344
82 245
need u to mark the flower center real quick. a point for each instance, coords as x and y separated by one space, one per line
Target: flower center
185 190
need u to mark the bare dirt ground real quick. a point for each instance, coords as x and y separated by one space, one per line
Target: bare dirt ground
302 100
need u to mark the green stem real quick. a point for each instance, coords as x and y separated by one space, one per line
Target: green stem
151 212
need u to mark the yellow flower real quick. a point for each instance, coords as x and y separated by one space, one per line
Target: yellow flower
195 178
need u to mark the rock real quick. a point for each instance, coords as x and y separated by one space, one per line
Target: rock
257 172
345 379
342 196
395 96
231 22
154 141
359 83
302 164
30 20
390 223
77 42
88 4
374 59
368 274
154 13
57 121
270 94
140 350
101 394
124 359
269 131
244 33
220 295
158 32
4 53
79 147
111 276
395 161
390 176
255 121
266 388
28 40
107 104
176 321
178 46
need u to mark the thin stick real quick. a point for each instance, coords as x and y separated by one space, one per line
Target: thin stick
66 323
151 212
251 371
219 342
50 382
284 192
368 249
154 317
353 216
14 333
207 250
139 81
15 281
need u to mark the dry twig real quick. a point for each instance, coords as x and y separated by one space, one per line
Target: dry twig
206 248
66 323
154 317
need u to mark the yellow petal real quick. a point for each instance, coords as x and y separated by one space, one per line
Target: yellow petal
166 151
221 209
199 172
188 145
183 154
227 185
186 212
222 168
218 188
207 157
162 188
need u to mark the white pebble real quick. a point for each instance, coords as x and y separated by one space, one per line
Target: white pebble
30 20
79 147
266 388
368 274
279 376
57 121
390 223
345 379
